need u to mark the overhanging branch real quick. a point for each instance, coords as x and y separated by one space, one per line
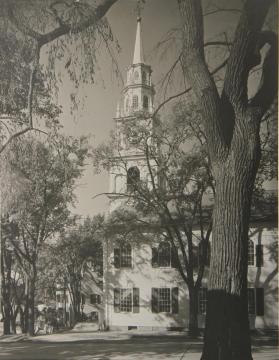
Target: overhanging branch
269 80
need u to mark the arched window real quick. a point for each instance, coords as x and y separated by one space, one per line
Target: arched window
145 102
136 75
135 102
133 177
251 253
143 77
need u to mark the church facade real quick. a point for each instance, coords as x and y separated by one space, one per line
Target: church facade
142 286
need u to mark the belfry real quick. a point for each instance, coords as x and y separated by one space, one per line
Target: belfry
134 110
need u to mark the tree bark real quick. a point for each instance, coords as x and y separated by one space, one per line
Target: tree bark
193 312
232 125
31 304
26 304
31 309
6 289
227 335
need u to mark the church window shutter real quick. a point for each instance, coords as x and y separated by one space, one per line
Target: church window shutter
154 300
259 255
117 258
116 300
251 301
174 257
143 77
260 301
145 102
135 103
136 298
155 257
174 300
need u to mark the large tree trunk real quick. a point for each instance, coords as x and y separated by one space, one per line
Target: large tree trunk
227 335
193 312
6 289
13 319
6 318
31 307
22 320
26 304
231 124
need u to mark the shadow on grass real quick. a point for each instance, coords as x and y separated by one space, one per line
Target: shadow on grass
136 347
102 350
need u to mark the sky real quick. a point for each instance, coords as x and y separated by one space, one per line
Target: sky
100 99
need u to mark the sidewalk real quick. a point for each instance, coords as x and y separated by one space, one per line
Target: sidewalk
119 345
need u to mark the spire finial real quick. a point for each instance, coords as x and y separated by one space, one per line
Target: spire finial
138 53
138 9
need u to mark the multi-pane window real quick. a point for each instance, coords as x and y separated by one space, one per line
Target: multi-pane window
202 300
251 253
126 300
58 298
256 301
123 256
165 300
135 102
164 255
95 299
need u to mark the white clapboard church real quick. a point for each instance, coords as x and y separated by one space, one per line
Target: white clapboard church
142 293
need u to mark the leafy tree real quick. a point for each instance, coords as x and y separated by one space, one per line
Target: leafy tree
77 251
232 124
28 26
12 283
49 171
169 196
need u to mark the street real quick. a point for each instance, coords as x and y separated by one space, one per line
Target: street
134 347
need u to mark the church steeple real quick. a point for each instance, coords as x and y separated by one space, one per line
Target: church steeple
138 92
133 114
138 52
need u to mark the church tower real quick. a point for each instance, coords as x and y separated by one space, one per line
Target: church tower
133 112
138 92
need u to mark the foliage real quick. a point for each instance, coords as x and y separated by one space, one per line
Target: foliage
168 197
42 175
77 251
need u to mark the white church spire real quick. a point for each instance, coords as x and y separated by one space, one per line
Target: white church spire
138 52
